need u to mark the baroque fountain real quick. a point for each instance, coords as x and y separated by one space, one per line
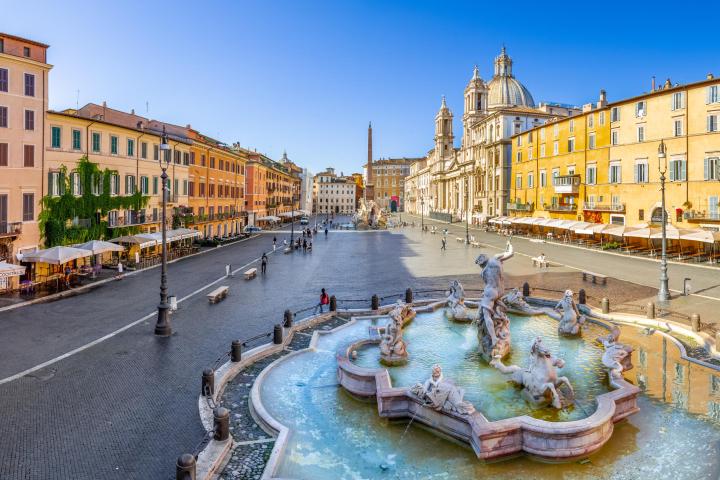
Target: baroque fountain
505 376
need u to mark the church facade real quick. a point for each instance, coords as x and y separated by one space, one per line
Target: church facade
472 182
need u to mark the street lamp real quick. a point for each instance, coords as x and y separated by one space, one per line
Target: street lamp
664 292
422 213
292 219
162 327
467 211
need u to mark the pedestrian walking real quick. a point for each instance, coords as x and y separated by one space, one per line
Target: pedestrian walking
444 244
274 243
119 271
324 300
304 245
326 230
263 263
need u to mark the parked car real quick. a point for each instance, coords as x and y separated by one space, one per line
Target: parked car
252 229
304 221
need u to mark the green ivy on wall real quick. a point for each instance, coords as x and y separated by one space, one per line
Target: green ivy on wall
91 206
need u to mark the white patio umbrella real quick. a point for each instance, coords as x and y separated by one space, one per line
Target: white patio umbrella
99 246
620 230
10 270
56 255
182 234
672 232
699 235
141 240
647 233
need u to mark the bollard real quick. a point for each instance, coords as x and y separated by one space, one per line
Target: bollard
526 289
236 351
375 302
277 334
605 305
582 297
208 383
227 270
408 296
185 467
686 286
333 303
695 322
221 424
288 319
650 310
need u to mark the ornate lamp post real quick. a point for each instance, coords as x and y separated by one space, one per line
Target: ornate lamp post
664 292
162 327
292 219
467 211
422 213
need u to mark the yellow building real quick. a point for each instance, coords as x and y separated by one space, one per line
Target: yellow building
617 180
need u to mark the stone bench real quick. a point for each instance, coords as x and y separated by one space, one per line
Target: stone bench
250 273
459 239
596 277
218 294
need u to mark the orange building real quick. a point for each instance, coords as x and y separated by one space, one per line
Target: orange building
272 189
216 187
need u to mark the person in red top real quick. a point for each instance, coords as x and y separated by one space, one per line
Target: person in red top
324 300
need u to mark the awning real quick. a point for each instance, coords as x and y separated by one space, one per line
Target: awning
555 223
646 232
56 255
674 233
10 270
621 230
705 236
567 224
141 240
497 220
181 234
269 218
98 246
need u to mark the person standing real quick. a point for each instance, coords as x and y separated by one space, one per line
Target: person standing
274 243
444 244
263 263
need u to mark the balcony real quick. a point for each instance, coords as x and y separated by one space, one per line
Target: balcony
135 219
557 207
10 229
604 207
566 184
705 215
520 207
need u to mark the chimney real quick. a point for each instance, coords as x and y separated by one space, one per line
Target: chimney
603 99
188 126
710 76
132 112
668 83
652 84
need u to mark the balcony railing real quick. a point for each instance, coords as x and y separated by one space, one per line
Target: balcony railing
604 207
566 183
132 220
520 207
704 215
10 229
556 207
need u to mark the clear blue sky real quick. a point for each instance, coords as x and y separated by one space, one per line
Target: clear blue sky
307 76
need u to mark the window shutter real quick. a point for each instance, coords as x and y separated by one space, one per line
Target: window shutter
61 183
706 176
709 123
708 96
683 172
51 189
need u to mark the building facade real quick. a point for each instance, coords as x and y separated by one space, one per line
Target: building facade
388 175
23 101
417 188
613 173
334 194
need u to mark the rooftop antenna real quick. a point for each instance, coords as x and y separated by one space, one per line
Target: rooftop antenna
147 106
77 100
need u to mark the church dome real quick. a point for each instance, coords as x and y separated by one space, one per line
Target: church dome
504 90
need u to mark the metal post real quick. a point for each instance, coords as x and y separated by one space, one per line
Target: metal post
288 319
605 302
221 424
650 310
664 291
185 467
526 289
162 327
582 297
207 388
292 219
409 295
333 303
277 334
467 211
422 214
375 302
695 322
236 351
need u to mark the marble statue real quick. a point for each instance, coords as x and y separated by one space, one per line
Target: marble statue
493 324
393 350
617 357
567 313
539 381
515 303
457 309
441 394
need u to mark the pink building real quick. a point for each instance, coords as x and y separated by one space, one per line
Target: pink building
23 102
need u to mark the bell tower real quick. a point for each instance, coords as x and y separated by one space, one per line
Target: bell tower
475 103
444 131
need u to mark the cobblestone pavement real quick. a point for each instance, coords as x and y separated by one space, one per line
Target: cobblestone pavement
125 408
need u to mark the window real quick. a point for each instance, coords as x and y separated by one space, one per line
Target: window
156 152
2 45
130 147
615 173
518 181
678 170
114 184
712 168
678 101
640 109
143 150
3 80
55 183
3 154
712 91
175 187
3 117
556 130
571 144
96 184
155 185
96 142
591 121
555 147
641 133
185 187
75 185
29 85
186 158
591 175
76 139
712 123
29 120
177 157
542 134
26 51
144 185
55 137
29 156
113 145
192 158
614 137
591 141
542 150
572 126
166 156
28 207
601 118
615 114
641 171
531 180
677 128
518 156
